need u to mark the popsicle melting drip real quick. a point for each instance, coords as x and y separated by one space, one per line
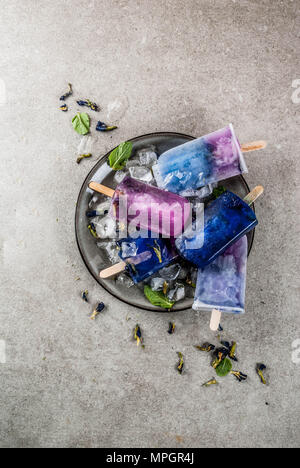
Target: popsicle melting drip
200 162
221 284
226 220
151 255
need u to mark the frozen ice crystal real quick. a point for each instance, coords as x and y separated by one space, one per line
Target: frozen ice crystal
124 280
141 173
111 250
170 273
106 227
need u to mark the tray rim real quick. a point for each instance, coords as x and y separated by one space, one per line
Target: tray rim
103 158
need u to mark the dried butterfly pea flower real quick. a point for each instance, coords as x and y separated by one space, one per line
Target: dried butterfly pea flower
83 156
239 375
232 352
137 334
226 344
260 368
220 329
90 104
97 310
67 94
180 365
103 127
64 108
232 348
171 328
210 382
189 281
206 347
157 251
91 214
221 354
84 295
92 229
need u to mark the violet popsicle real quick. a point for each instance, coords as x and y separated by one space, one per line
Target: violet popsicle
221 285
147 207
226 220
142 257
200 162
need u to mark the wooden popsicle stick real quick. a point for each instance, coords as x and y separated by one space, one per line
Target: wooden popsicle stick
113 270
253 195
254 146
101 189
215 319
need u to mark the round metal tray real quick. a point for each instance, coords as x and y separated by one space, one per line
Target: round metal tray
93 257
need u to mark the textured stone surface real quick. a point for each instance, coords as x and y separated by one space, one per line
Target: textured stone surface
187 66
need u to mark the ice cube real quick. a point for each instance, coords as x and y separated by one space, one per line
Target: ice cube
170 273
124 280
147 157
106 227
120 176
183 274
129 249
111 250
85 145
200 194
93 200
132 163
157 284
141 173
103 208
177 293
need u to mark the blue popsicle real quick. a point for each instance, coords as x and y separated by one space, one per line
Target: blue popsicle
200 162
226 220
145 256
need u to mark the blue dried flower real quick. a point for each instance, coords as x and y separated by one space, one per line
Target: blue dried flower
103 127
92 229
137 335
64 108
180 365
97 310
90 104
239 375
84 295
92 214
206 347
67 94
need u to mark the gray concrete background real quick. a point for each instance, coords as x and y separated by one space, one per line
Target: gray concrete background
188 66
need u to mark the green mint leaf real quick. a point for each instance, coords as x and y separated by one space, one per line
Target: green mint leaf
224 368
157 298
218 191
81 123
120 155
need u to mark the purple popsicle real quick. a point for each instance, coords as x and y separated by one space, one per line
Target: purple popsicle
150 208
221 284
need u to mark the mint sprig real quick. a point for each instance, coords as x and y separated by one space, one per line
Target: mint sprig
120 155
81 123
157 299
224 368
